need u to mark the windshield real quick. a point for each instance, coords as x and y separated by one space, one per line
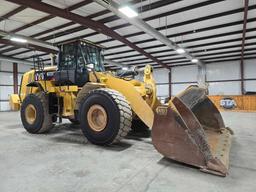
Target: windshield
92 55
68 56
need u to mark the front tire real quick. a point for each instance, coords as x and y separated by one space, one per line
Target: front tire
105 116
35 115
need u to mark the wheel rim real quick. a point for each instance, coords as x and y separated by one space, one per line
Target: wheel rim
30 114
97 118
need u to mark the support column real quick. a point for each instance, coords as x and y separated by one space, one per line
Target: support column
15 78
201 76
242 76
246 2
170 83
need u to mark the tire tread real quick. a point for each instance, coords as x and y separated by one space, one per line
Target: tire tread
47 123
125 112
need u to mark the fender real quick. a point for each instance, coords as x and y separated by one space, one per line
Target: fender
36 84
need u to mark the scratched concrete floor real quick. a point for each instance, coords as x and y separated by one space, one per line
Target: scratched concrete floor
63 161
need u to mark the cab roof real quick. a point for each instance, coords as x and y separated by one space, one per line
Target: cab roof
82 41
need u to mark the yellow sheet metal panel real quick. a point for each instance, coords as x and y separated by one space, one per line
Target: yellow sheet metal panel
68 103
46 85
150 86
14 102
58 89
50 68
26 78
138 104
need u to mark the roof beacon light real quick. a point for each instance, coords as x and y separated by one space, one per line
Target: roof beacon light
129 12
20 40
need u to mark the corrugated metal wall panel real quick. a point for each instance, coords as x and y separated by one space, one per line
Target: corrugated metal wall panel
5 92
6 82
4 106
6 78
223 71
184 74
250 69
225 88
177 88
161 75
250 86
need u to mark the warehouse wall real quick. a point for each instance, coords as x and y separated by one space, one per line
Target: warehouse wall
182 77
223 78
162 78
250 73
6 82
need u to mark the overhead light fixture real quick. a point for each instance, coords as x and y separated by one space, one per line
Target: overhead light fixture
125 68
194 60
17 39
180 51
128 11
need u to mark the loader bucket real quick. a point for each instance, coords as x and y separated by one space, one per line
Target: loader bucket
206 112
191 130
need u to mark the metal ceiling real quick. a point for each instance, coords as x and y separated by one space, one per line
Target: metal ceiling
211 30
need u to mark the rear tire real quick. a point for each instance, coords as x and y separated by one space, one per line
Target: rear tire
114 116
35 115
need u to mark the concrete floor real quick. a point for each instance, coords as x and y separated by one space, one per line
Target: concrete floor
63 161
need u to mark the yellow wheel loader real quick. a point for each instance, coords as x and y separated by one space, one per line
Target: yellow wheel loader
187 129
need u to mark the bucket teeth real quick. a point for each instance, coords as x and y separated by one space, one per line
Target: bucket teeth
180 133
220 144
216 167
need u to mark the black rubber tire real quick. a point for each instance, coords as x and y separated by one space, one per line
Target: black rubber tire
118 111
43 122
84 92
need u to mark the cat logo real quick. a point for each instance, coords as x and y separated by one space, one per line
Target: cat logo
228 103
162 110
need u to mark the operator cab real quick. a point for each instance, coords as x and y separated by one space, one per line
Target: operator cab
75 60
